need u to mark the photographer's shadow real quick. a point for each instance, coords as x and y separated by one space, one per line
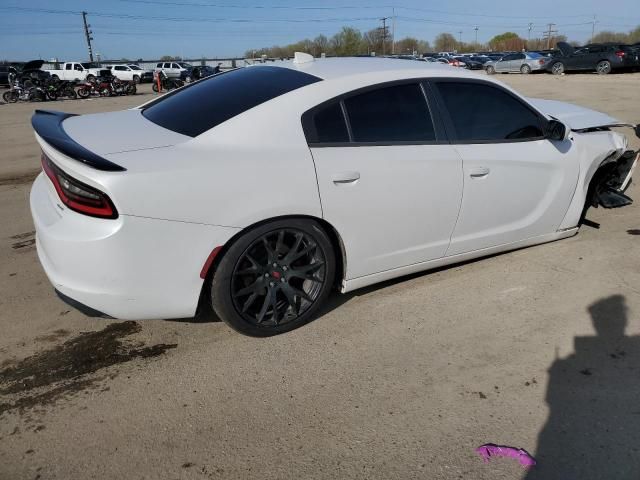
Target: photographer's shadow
593 429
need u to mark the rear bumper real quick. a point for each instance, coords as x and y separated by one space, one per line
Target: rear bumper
127 268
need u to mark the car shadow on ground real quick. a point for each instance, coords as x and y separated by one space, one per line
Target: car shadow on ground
593 428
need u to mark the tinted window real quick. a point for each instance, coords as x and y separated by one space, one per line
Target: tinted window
159 65
519 56
390 114
327 125
484 112
203 105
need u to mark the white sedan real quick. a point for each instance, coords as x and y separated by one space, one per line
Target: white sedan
259 190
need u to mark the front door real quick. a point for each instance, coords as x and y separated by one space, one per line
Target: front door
517 183
388 182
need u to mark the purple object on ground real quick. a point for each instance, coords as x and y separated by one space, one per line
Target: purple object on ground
489 450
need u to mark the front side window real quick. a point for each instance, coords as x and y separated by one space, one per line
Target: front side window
391 114
484 113
214 100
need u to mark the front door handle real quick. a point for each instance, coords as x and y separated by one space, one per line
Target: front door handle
479 172
345 177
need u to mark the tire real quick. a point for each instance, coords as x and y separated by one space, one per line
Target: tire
557 68
603 67
136 79
83 93
132 90
91 78
10 96
188 79
55 77
51 95
525 69
491 70
154 87
256 298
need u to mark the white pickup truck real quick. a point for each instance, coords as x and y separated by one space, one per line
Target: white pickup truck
76 71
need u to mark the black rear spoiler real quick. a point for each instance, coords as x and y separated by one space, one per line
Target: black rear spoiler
48 124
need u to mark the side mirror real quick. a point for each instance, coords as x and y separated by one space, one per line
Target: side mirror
556 130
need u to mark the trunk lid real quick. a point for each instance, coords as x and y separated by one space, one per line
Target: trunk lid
119 132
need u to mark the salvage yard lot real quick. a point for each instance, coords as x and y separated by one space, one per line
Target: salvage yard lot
401 380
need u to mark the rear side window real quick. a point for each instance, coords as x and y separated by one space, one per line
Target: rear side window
210 102
391 114
484 113
327 125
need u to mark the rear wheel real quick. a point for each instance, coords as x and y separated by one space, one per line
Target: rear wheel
274 278
154 87
91 78
525 69
557 68
603 67
136 79
84 93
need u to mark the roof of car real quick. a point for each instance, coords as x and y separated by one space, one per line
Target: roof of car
332 68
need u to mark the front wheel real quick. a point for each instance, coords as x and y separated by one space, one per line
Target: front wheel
10 97
154 87
136 79
84 92
274 278
603 67
491 70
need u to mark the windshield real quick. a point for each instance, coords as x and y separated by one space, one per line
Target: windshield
134 67
203 105
185 65
90 65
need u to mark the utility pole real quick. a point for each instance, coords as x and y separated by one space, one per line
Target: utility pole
460 40
549 34
593 28
476 29
529 35
87 34
384 34
393 30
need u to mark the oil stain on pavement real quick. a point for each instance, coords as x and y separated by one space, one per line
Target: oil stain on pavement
71 367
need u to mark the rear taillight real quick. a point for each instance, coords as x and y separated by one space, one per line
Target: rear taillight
620 53
541 62
76 195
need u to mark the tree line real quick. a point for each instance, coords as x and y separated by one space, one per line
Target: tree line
350 41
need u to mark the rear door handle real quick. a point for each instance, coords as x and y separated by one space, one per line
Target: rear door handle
345 177
479 172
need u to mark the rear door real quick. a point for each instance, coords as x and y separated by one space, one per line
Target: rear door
517 183
389 181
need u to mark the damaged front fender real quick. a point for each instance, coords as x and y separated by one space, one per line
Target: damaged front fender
611 180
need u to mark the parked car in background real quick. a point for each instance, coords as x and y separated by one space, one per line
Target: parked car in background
111 209
31 73
75 71
197 72
601 57
469 63
517 63
450 61
173 69
130 73
5 70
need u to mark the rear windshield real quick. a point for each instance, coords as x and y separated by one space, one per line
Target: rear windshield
210 102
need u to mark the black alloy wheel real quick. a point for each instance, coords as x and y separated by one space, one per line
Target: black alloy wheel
273 279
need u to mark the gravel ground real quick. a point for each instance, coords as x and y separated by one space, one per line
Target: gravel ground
537 349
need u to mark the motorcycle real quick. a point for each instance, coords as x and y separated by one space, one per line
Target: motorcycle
88 89
60 89
18 92
167 83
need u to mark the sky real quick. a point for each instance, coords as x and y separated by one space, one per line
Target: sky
148 29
